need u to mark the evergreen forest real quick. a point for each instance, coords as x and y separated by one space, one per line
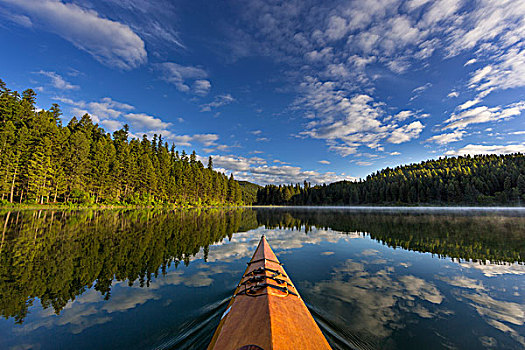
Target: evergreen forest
478 180
43 161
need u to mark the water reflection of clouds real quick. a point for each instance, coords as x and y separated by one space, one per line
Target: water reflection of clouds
491 270
243 244
371 293
372 302
495 312
26 347
78 318
369 252
90 309
502 315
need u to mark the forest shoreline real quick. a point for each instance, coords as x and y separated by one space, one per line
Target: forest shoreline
110 207
178 207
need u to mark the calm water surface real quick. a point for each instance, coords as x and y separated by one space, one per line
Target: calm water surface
373 279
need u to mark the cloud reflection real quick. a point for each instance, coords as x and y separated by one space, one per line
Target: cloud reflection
490 270
374 299
502 315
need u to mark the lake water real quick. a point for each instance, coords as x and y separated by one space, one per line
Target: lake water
372 278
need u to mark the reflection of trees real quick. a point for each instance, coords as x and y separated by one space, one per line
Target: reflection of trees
498 238
56 256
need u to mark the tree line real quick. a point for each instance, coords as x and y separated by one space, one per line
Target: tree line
42 161
464 180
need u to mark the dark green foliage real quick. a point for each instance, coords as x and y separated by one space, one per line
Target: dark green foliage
249 191
478 180
42 161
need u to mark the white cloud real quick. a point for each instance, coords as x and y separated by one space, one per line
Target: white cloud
507 73
58 81
344 151
216 148
21 20
487 21
101 110
254 169
403 115
232 163
340 51
324 162
110 42
443 139
218 101
337 28
112 115
323 55
395 35
182 140
422 88
111 125
486 149
179 75
364 163
439 11
201 87
480 74
419 90
206 139
399 65
406 133
346 123
394 153
414 4
144 122
484 114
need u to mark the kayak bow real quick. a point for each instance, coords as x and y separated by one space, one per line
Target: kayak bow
266 311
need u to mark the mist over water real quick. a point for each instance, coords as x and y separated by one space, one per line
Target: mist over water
373 278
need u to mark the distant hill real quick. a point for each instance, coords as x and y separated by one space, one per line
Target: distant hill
478 180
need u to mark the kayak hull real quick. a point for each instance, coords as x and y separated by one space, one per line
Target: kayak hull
266 311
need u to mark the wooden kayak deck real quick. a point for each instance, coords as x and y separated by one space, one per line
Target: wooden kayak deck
266 311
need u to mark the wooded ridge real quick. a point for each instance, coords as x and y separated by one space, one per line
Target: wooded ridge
478 180
42 161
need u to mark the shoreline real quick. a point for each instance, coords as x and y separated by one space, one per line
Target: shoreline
321 207
109 207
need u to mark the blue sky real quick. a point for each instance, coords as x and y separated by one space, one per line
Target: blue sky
282 91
